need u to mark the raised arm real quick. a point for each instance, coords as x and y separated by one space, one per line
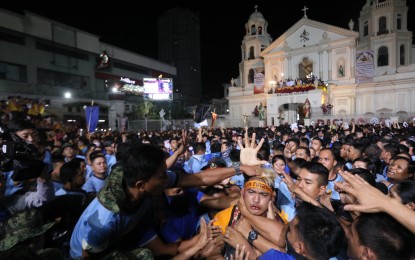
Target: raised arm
213 176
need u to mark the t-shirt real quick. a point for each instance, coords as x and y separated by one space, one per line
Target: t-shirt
99 228
273 254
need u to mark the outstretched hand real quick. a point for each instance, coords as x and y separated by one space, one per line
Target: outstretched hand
248 155
368 198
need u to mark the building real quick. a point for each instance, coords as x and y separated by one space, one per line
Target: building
179 45
42 59
367 74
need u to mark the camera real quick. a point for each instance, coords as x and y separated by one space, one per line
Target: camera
19 156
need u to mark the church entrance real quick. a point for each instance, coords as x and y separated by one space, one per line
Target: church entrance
290 113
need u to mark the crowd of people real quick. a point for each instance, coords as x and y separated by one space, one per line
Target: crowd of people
324 192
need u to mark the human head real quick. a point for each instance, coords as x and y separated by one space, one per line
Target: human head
278 162
379 236
174 143
401 168
315 233
302 152
72 175
258 192
313 179
68 151
317 144
355 151
144 168
404 192
99 165
328 159
23 129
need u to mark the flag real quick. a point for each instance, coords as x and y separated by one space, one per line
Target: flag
92 115
200 115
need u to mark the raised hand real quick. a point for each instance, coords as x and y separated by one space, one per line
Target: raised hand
248 155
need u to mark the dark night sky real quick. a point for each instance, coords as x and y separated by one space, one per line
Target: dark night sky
222 25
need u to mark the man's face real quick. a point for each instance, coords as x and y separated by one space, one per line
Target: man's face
68 152
308 182
326 158
99 166
300 153
256 200
173 144
316 144
352 153
26 134
343 151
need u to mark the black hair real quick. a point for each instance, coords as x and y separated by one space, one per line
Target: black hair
69 170
278 157
141 163
122 151
19 125
406 191
319 169
320 231
386 237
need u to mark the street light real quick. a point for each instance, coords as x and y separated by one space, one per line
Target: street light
67 94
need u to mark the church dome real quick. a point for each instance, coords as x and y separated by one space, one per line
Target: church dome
257 16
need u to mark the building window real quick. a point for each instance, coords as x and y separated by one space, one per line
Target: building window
398 21
402 55
366 28
259 30
383 56
251 53
253 30
13 72
12 37
55 78
251 76
382 26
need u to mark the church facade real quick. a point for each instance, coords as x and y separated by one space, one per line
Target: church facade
366 72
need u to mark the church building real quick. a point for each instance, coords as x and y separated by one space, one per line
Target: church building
318 72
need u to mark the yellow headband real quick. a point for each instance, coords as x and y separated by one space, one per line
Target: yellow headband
255 184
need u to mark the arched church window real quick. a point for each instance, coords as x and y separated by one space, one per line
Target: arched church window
382 25
402 55
366 28
399 21
305 68
253 30
251 53
383 59
251 76
259 30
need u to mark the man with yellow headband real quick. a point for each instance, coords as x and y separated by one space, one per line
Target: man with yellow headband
257 194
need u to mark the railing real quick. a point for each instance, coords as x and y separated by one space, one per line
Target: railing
382 4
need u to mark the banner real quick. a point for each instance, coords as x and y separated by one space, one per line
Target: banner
365 65
92 116
259 79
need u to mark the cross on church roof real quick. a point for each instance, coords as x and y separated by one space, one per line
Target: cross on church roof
305 11
256 8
